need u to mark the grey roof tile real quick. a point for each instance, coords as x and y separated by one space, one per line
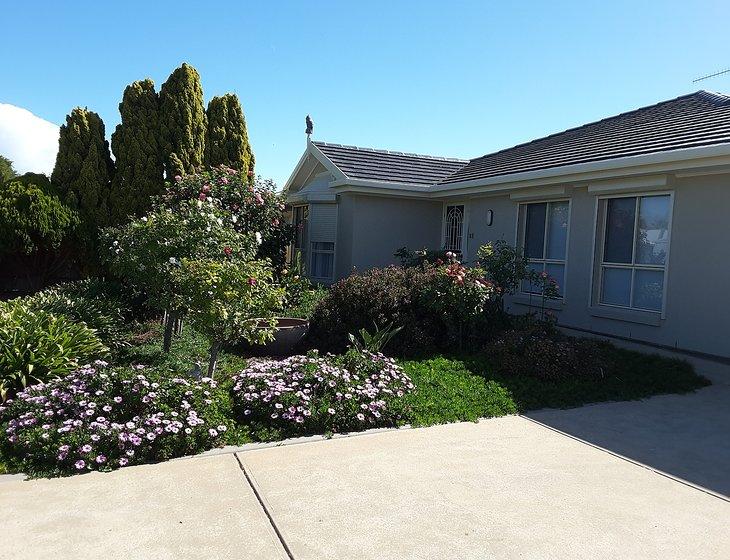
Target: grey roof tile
698 119
387 166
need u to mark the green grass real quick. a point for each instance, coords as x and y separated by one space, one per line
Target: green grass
187 348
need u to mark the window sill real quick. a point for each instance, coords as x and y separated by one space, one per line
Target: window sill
627 315
535 302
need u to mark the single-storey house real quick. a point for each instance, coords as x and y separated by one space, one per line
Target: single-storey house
630 215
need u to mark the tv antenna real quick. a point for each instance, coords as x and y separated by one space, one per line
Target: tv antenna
711 75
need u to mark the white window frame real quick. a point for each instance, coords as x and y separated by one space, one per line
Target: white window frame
312 252
520 242
599 241
464 227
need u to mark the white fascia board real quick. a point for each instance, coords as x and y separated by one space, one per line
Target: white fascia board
536 193
628 184
316 153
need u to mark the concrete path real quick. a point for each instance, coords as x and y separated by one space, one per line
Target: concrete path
503 488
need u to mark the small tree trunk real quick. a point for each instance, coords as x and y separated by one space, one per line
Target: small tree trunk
178 326
170 318
213 362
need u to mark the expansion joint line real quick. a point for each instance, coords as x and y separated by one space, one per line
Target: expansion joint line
265 508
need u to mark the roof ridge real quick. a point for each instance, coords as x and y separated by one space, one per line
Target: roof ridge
711 96
390 152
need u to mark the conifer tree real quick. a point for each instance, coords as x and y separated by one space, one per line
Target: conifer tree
226 142
138 152
84 168
182 122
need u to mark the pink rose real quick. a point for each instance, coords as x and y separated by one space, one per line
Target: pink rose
202 197
178 178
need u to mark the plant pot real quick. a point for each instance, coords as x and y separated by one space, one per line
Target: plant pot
288 334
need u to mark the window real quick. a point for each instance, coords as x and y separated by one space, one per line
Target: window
633 243
323 260
454 228
300 217
544 239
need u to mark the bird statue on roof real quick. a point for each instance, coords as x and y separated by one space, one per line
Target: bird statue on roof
310 126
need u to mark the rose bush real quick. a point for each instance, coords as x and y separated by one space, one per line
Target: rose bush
99 419
254 204
437 306
315 394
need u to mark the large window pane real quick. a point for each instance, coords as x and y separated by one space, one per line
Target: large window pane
648 289
616 289
322 265
535 230
619 243
557 230
652 239
557 273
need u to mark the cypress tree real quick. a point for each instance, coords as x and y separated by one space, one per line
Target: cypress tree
136 147
182 121
226 142
84 167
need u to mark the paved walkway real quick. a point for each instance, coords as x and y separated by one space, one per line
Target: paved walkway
502 488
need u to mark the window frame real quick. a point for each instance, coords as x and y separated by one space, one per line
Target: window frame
520 238
464 227
599 247
312 252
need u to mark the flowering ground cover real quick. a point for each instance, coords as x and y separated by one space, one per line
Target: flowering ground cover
99 419
321 394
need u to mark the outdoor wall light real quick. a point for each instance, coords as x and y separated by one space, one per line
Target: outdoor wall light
490 217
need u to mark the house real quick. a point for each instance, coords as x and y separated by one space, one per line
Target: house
630 215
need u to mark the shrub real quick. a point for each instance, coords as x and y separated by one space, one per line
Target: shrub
33 219
256 207
98 419
99 304
437 307
540 351
314 394
410 258
36 345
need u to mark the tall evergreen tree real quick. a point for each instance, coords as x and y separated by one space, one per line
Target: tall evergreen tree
6 170
84 167
138 153
226 142
182 121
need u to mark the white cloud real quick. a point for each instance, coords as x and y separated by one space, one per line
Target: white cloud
29 141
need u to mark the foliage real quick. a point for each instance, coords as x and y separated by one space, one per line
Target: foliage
100 419
36 345
227 300
301 295
6 170
84 168
313 394
101 305
256 207
32 219
374 342
226 141
437 307
137 152
540 351
410 258
182 122
505 266
146 251
447 391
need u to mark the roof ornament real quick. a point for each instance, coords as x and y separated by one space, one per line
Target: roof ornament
310 126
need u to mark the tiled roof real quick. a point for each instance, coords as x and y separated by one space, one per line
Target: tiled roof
390 167
697 119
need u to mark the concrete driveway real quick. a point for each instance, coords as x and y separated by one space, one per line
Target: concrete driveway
503 488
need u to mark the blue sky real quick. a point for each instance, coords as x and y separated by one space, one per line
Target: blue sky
444 78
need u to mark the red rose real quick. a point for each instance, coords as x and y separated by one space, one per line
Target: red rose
228 251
